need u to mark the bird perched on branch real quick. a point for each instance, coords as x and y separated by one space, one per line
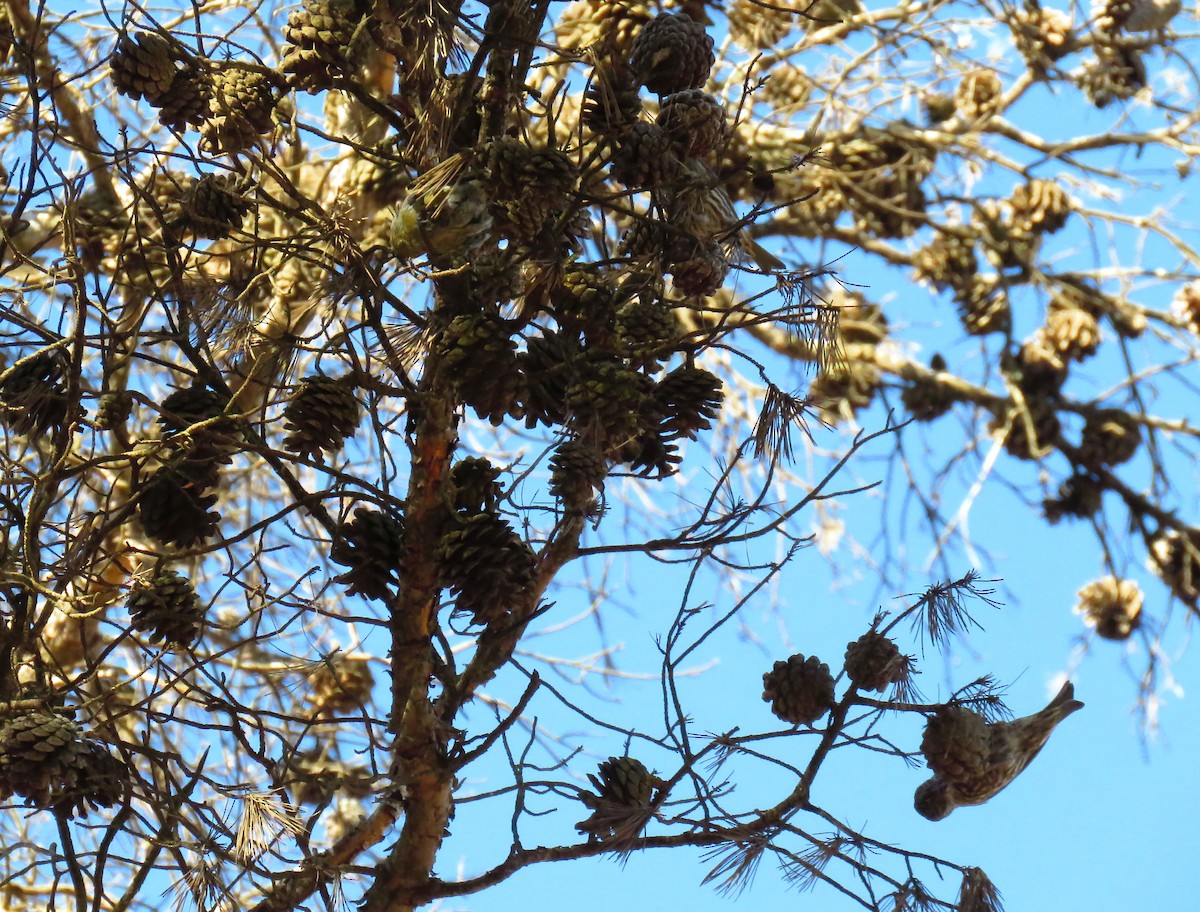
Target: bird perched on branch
700 207
973 759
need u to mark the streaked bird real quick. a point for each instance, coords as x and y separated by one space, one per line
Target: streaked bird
1010 748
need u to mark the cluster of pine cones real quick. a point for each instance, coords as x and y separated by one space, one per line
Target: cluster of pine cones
801 689
45 759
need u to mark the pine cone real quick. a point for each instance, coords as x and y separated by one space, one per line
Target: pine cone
651 454
530 188
689 398
979 94
166 609
113 409
938 107
606 401
1071 331
215 205
701 271
548 366
1117 74
647 331
577 473
487 564
695 121
1112 606
186 105
39 756
1032 432
1187 304
1176 561
955 743
874 662
479 354
239 108
644 158
99 780
608 27
175 504
1079 496
321 416
983 307
799 690
671 53
189 406
1040 206
925 398
948 261
757 27
144 66
584 300
340 684
495 278
476 486
622 803
842 390
372 546
33 393
611 102
1038 368
318 39
1043 36
1110 437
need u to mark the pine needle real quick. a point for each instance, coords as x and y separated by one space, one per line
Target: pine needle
803 871
942 609
781 413
264 817
978 893
736 863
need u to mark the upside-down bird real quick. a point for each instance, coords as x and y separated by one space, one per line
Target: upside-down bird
973 759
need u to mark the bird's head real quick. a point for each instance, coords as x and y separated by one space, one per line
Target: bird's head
932 799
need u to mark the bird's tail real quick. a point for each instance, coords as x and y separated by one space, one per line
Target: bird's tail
1064 702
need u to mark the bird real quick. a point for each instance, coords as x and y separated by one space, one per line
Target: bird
443 212
1008 749
700 206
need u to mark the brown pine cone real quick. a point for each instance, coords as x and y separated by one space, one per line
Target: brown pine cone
577 473
322 415
476 485
318 39
1041 206
644 157
487 564
800 690
1110 438
672 52
979 94
33 393
186 105
144 66
1112 606
166 609
240 106
39 756
1175 559
955 742
215 205
694 120
372 546
873 662
175 503
622 803
1079 497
